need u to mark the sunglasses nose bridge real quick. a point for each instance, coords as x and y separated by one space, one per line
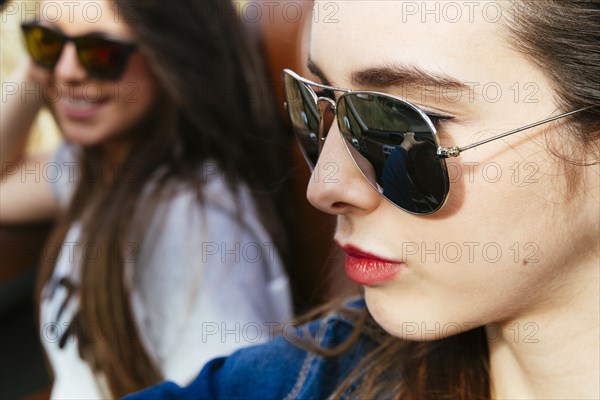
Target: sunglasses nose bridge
327 110
68 63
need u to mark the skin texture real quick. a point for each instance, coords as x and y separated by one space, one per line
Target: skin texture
511 249
123 102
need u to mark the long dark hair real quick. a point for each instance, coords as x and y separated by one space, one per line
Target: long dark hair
562 37
216 105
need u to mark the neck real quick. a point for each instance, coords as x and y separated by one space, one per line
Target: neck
552 352
117 150
114 153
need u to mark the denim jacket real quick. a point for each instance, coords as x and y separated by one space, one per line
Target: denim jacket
280 369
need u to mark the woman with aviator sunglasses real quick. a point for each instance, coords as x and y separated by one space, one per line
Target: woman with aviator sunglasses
482 280
168 225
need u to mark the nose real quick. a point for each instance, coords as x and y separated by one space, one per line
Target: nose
68 69
337 186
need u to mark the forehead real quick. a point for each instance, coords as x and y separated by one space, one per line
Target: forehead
455 38
77 17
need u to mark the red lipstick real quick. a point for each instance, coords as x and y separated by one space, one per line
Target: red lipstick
368 269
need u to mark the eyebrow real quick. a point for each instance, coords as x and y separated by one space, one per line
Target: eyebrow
404 75
394 75
316 70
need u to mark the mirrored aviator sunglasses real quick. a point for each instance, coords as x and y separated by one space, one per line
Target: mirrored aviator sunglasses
102 57
392 142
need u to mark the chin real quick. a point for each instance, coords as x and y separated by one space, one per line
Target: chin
84 137
85 132
418 323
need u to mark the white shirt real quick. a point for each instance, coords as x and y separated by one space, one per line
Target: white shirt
203 284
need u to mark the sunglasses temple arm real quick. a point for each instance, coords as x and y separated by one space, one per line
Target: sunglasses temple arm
447 152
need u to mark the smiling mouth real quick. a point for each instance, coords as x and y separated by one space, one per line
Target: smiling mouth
80 108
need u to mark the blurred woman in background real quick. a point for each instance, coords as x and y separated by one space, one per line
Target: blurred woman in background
169 231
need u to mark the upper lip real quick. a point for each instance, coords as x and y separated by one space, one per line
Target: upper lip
79 98
355 252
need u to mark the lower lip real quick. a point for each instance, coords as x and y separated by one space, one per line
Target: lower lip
369 272
75 112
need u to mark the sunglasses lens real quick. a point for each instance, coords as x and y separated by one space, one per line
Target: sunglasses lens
102 58
395 148
44 45
304 115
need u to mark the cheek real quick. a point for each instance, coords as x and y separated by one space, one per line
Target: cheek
135 94
131 100
498 258
503 250
135 102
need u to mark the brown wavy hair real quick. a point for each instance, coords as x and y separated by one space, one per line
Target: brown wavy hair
562 37
215 105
